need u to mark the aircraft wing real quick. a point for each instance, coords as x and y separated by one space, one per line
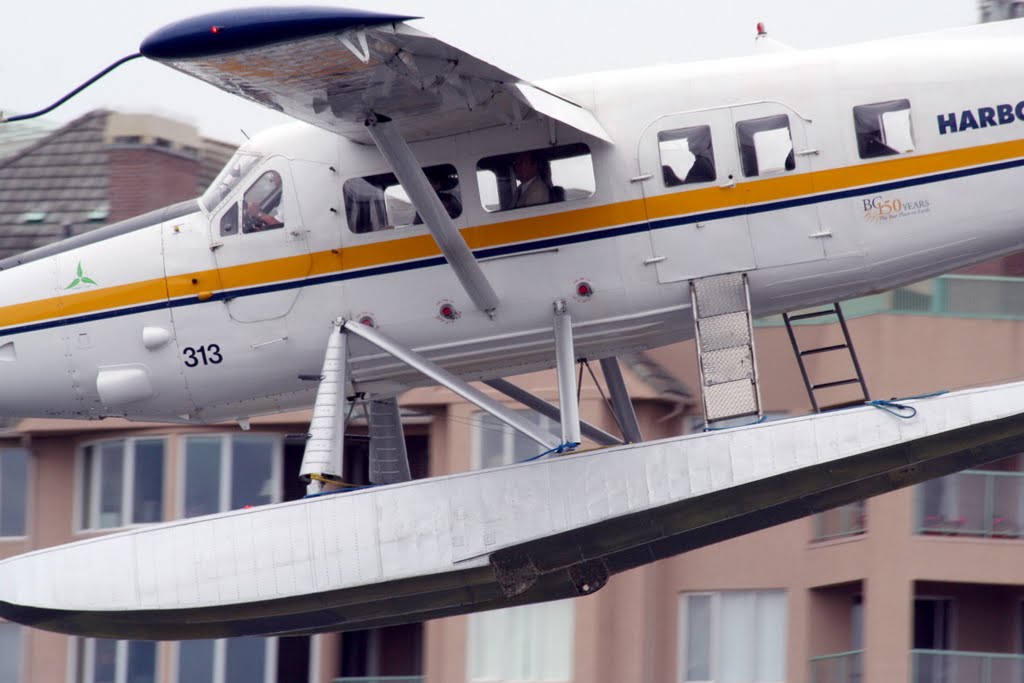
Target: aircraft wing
334 67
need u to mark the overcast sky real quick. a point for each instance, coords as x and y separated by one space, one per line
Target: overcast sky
50 46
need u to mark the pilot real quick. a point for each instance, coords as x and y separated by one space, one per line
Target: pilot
532 189
263 203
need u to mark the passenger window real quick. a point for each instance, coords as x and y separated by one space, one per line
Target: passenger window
535 177
261 204
766 145
883 129
686 156
379 202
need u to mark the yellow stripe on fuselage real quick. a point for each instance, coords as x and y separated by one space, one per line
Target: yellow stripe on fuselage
551 225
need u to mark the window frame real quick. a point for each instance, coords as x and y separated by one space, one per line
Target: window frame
83 478
762 124
29 478
226 457
547 154
508 436
878 109
270 656
447 168
532 611
83 655
714 619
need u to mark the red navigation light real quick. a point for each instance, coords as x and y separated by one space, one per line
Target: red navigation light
215 29
448 312
760 29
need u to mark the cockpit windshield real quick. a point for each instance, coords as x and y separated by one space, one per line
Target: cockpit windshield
234 172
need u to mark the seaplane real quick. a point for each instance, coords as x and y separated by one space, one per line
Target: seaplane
432 219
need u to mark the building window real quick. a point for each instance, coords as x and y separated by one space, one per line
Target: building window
11 649
766 145
116 661
230 472
496 444
736 636
537 176
122 483
686 156
235 660
883 129
521 644
13 491
379 202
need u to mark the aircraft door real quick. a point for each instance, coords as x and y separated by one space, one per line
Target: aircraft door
775 174
261 245
691 158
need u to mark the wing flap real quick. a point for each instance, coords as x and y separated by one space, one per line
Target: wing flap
333 68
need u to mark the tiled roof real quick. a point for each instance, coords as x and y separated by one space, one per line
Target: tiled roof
49 189
18 135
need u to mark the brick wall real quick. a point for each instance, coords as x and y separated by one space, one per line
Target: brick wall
144 178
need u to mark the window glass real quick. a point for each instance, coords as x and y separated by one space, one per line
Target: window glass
883 129
122 483
498 444
687 156
528 643
766 145
379 202
245 660
104 663
535 177
10 652
141 666
116 661
13 491
229 221
252 471
202 475
736 636
261 204
195 661
148 498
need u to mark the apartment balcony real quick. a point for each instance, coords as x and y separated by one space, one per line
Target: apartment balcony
841 667
841 522
948 666
972 503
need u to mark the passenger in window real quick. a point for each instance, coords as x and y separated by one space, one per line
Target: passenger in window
703 169
444 183
532 189
262 204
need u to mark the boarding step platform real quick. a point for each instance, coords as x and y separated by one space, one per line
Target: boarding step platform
724 333
844 349
544 530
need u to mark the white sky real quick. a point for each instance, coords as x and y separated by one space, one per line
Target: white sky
50 46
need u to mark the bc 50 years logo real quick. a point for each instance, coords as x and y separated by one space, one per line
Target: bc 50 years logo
881 208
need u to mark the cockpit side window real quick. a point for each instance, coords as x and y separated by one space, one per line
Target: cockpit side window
261 204
686 156
536 176
883 129
766 145
379 202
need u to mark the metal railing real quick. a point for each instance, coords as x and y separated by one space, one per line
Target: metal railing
972 503
379 679
948 666
957 296
841 667
840 522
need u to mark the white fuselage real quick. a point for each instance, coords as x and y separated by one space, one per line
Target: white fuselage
176 321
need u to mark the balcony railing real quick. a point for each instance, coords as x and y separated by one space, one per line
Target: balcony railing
841 667
972 503
379 679
840 522
947 666
957 296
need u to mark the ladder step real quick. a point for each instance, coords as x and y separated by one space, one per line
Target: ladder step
839 383
824 349
812 314
845 404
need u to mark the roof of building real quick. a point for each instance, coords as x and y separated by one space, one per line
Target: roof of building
20 134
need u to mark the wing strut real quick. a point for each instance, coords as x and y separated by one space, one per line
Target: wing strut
398 155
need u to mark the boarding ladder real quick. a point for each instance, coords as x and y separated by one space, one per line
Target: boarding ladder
724 333
843 348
